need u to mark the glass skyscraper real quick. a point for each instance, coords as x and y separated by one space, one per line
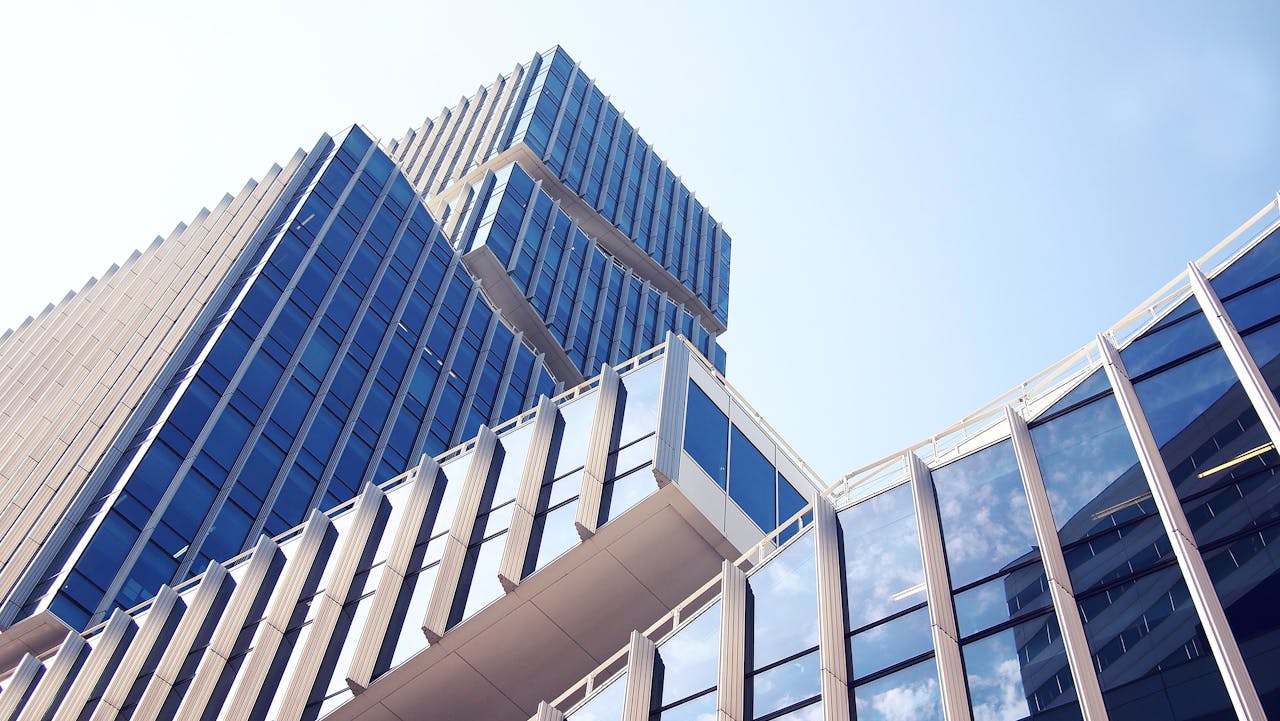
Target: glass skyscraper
326 328
597 525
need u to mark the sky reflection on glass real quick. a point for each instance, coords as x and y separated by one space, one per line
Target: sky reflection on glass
911 694
986 524
785 604
883 568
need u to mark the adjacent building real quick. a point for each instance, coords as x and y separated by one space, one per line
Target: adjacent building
589 521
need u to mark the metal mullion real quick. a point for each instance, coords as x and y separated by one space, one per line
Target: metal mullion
942 617
564 102
1226 652
277 196
1246 368
264 416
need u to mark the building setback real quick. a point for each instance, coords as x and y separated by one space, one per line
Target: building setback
321 331
639 544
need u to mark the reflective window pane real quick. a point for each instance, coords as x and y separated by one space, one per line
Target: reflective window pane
1167 343
784 604
453 474
783 685
911 693
880 647
1002 599
573 433
986 523
882 564
706 435
702 708
553 534
1151 654
1261 262
479 584
1246 575
1095 383
404 633
605 705
641 389
623 493
1019 673
1089 467
752 481
690 658
515 447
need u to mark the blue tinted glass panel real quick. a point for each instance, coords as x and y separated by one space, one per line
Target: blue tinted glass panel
698 709
784 685
1001 599
1152 657
690 658
911 693
405 634
515 447
882 565
784 604
1167 344
986 523
1020 673
624 492
1246 574
706 435
640 405
1089 467
574 433
752 481
891 642
553 534
1254 307
1260 263
605 705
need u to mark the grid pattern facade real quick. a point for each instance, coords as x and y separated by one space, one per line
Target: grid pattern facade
1110 556
597 308
303 622
76 378
567 123
351 342
342 335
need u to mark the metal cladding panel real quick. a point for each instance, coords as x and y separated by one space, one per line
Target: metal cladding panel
733 643
601 435
640 665
533 475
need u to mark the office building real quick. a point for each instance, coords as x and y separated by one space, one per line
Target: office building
321 330
1098 543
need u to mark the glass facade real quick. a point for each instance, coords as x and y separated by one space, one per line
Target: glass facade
352 342
1034 569
550 108
594 306
353 338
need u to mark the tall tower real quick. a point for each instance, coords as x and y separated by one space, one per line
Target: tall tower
355 310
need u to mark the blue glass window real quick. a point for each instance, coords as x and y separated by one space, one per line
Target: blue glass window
891 642
706 435
689 659
783 685
1020 673
752 481
605 705
784 604
883 569
912 693
986 523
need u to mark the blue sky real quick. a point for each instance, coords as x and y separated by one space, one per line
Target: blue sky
929 201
